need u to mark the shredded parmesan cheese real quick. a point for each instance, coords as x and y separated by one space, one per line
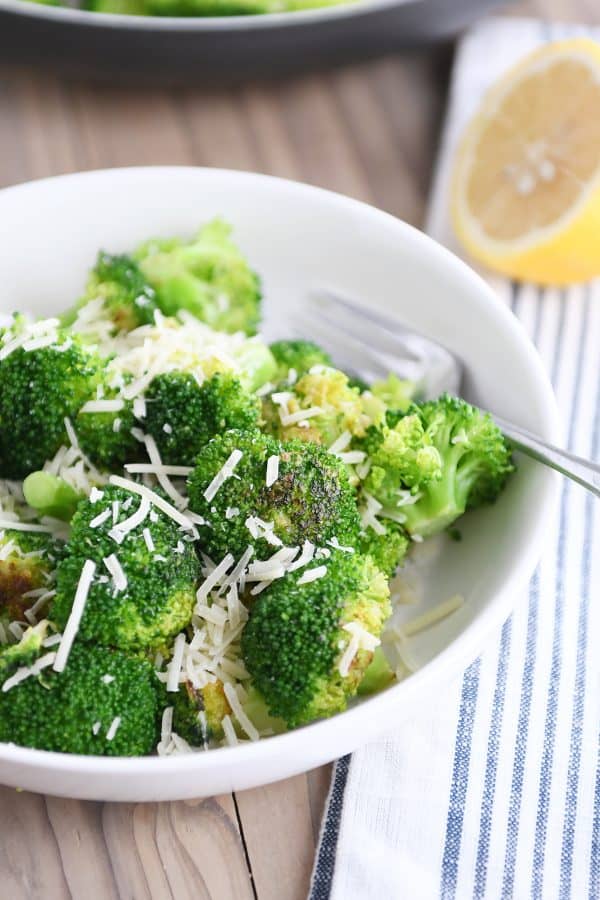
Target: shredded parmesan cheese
312 574
72 626
272 470
223 474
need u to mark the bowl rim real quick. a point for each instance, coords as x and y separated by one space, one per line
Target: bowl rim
463 649
250 22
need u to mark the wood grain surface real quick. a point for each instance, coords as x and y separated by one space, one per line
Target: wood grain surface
369 131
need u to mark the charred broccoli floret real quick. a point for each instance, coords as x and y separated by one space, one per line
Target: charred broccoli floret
198 713
104 703
310 499
127 300
475 462
307 646
39 388
297 357
207 276
182 415
143 589
27 563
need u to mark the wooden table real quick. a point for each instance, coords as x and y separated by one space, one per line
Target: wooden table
369 131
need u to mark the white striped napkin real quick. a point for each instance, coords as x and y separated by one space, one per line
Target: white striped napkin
493 791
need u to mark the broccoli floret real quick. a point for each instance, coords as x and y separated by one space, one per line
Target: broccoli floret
182 415
475 463
156 601
294 642
198 712
51 495
387 550
127 299
397 394
27 565
256 362
335 406
21 655
105 703
298 357
402 458
38 390
105 437
378 675
311 499
209 277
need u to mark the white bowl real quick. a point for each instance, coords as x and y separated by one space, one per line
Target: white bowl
297 237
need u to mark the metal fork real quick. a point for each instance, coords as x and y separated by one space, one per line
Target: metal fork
370 345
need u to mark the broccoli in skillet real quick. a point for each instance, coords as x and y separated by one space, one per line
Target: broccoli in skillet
308 645
182 415
144 584
46 375
104 703
306 497
207 276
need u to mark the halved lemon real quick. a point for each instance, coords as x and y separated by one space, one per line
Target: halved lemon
526 183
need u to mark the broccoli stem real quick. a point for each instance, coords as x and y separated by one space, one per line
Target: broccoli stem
51 496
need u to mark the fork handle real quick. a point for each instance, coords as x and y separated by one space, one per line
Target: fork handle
583 471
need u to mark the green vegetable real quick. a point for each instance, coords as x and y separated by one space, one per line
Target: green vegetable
51 495
378 675
62 711
38 389
208 277
257 364
397 394
231 7
21 573
161 583
192 414
298 356
21 655
293 641
188 706
128 300
310 500
475 463
386 550
343 409
105 437
402 458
